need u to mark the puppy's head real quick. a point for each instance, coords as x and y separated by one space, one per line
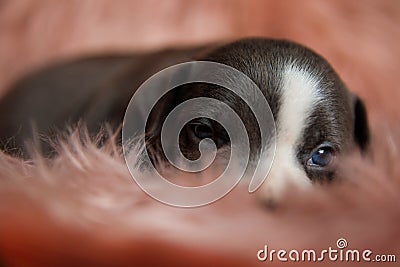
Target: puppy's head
317 118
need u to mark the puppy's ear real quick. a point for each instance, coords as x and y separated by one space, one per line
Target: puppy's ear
361 128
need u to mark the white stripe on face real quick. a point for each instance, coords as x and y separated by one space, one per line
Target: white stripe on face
299 94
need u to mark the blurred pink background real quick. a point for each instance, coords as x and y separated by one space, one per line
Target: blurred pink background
360 39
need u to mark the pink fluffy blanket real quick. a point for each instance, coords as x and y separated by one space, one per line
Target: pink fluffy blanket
84 209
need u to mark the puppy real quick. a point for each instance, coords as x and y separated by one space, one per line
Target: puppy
317 118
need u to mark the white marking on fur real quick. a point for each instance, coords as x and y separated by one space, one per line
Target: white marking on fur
299 95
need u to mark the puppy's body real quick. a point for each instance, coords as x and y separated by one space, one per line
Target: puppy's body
94 91
316 117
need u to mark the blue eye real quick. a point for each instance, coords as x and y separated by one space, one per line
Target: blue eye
322 157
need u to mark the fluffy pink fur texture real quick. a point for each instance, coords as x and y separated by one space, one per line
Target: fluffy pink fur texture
84 209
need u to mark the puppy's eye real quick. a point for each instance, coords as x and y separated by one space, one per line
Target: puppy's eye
202 130
322 157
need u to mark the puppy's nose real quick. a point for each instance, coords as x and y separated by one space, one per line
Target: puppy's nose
284 173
